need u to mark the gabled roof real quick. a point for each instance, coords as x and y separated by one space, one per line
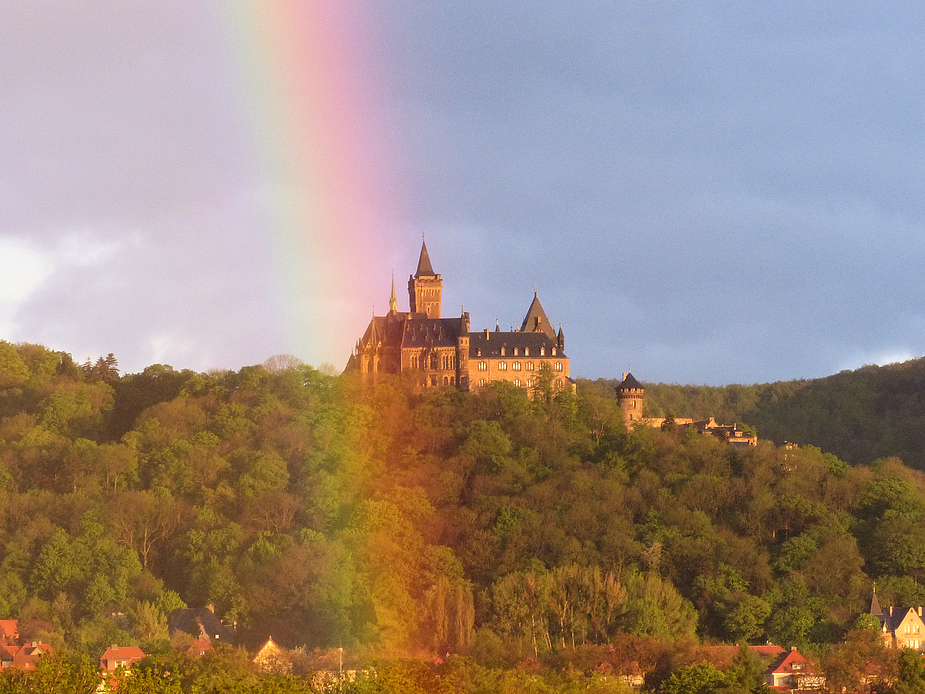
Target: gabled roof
424 266
536 320
430 332
790 662
200 622
9 630
125 656
893 618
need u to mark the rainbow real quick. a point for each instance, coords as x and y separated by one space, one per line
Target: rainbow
305 76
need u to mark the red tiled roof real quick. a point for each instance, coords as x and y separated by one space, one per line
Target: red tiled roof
9 630
126 656
791 662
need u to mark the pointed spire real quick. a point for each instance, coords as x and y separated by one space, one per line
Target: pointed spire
393 302
536 320
424 266
875 604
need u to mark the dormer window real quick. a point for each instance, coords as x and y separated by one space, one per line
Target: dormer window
542 351
526 351
515 351
553 351
502 351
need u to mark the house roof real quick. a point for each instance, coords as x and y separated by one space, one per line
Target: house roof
9 630
790 662
200 622
199 647
892 618
116 653
424 266
536 320
26 656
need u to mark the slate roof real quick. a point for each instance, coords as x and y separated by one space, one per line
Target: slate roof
536 319
424 266
489 345
431 332
200 622
629 382
875 609
893 621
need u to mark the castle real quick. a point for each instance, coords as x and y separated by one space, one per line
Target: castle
444 352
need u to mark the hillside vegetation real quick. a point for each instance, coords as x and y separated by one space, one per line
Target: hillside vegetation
860 416
307 508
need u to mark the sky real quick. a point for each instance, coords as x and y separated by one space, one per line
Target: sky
710 192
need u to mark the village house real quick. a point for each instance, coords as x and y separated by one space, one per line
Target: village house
117 657
791 672
900 627
15 654
200 623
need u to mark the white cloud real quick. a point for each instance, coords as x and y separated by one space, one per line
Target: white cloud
24 268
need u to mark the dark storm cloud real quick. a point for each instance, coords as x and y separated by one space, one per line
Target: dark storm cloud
707 192
713 191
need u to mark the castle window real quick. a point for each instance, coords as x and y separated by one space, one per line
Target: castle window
502 366
482 382
558 365
452 380
446 381
529 383
517 382
516 366
529 366
558 383
483 366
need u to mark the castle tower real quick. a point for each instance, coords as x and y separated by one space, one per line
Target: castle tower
631 396
425 288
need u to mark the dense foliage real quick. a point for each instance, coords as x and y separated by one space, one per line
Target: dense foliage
860 416
305 507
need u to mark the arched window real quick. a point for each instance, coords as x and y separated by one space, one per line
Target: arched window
502 366
446 381
483 366
558 366
517 382
516 366
529 366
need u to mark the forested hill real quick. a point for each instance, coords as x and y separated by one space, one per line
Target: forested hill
872 412
306 507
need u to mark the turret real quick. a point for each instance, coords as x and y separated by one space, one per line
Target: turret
631 396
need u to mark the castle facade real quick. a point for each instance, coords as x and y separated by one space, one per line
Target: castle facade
445 352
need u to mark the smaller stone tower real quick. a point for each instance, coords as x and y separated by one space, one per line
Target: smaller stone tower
631 396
